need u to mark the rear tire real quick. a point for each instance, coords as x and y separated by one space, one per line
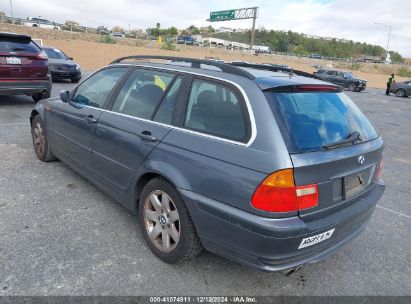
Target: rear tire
40 141
37 97
400 93
166 223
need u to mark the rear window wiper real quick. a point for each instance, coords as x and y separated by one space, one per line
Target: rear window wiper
350 140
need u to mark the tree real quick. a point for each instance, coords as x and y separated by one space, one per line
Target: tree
173 31
193 30
158 25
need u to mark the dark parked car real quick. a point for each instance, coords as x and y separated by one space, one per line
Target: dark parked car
401 89
344 79
62 66
23 67
185 40
102 30
269 169
315 56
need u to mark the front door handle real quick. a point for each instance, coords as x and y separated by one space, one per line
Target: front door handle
91 120
146 135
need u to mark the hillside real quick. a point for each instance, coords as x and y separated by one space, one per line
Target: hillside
292 42
91 53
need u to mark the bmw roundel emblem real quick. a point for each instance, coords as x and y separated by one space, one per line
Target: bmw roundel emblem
361 160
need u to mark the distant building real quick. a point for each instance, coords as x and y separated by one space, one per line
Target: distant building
224 30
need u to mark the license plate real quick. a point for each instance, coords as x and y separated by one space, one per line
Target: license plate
315 239
356 183
13 60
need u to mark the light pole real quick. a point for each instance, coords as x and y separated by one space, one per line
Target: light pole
11 8
389 34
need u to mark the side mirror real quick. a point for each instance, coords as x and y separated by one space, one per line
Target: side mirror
65 96
70 58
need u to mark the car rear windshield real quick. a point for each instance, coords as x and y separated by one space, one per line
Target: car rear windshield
55 54
309 121
9 44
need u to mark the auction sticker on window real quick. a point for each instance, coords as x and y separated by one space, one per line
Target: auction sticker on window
315 239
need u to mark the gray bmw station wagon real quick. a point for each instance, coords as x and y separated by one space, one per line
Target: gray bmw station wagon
260 165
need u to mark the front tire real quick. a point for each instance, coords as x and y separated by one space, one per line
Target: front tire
352 87
400 93
75 80
166 224
40 141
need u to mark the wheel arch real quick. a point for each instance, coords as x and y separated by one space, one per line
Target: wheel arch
33 114
159 169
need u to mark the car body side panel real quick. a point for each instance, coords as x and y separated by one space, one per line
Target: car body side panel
118 148
211 168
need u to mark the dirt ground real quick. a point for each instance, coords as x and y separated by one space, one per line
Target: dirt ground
92 54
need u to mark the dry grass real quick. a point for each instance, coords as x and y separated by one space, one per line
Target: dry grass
91 54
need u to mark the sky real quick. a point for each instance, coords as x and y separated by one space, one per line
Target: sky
348 19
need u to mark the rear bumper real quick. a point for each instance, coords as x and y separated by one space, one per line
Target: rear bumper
272 244
26 87
66 74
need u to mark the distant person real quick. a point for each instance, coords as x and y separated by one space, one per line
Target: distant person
390 81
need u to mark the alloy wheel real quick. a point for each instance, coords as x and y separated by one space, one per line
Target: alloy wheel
39 139
162 220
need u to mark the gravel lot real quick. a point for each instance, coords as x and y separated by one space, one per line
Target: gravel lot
59 235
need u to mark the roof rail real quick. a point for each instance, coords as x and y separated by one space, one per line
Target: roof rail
272 69
195 63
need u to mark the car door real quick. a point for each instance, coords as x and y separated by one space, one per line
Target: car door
331 76
127 134
408 88
73 122
340 79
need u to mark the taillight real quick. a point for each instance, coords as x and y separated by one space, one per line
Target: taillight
278 193
379 170
40 56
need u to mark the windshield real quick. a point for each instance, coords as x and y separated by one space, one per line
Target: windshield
310 121
349 75
55 54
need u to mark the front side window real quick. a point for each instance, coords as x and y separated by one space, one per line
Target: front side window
142 92
217 110
95 90
310 121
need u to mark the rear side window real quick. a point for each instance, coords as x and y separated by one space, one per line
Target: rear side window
142 92
217 110
164 113
309 121
95 90
11 44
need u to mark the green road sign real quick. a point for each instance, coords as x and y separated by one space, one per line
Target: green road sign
222 15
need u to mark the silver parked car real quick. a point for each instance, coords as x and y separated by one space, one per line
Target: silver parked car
401 89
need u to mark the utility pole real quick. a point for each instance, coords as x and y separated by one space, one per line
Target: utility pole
253 29
11 8
389 36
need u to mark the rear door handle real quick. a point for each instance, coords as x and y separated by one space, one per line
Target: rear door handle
146 135
91 120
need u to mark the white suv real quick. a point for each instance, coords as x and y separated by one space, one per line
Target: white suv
39 22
